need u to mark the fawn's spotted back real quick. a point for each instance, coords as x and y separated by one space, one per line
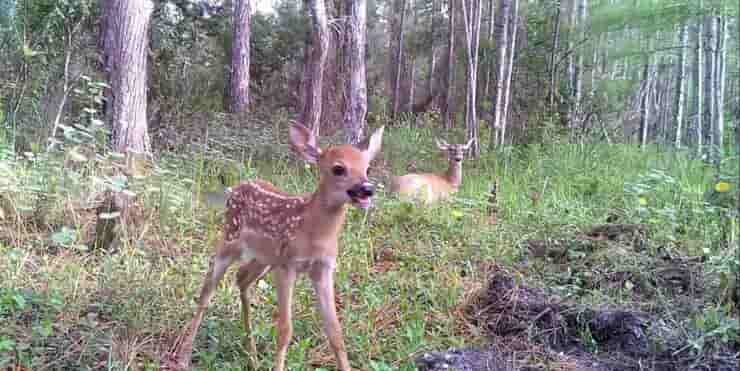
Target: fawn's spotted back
261 208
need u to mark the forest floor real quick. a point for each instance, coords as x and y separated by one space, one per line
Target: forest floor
594 257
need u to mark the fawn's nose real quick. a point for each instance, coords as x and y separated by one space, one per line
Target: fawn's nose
362 190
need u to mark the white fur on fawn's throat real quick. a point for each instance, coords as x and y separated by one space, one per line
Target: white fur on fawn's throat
273 215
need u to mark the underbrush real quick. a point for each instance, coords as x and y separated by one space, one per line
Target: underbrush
406 274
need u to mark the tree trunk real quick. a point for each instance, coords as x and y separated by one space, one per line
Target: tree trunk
399 62
239 79
681 83
710 37
577 107
447 110
356 108
509 69
572 25
699 86
433 45
553 69
502 42
471 10
721 84
126 43
645 102
311 113
489 54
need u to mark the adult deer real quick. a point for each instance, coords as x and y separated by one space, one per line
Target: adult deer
269 230
429 187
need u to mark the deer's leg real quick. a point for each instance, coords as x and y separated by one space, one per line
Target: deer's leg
322 277
285 277
225 255
248 274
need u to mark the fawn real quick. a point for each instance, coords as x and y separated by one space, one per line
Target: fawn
267 230
429 187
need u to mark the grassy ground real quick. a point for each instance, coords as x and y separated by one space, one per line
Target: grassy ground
404 275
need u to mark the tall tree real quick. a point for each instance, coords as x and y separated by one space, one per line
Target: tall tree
356 108
699 85
489 41
502 40
314 71
125 43
577 84
681 82
239 78
647 90
447 111
721 82
710 71
471 10
509 69
399 60
552 62
436 5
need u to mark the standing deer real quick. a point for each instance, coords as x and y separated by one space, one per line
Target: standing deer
429 187
267 230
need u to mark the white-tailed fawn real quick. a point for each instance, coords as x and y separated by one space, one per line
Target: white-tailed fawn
268 230
429 187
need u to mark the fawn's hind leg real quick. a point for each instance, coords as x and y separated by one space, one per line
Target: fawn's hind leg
248 274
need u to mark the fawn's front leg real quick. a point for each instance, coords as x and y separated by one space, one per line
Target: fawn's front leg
285 276
322 277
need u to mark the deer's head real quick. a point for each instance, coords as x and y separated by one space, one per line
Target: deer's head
455 152
342 169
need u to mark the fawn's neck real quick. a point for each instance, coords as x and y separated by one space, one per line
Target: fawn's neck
324 217
454 173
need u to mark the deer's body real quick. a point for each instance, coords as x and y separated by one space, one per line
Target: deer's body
266 229
429 187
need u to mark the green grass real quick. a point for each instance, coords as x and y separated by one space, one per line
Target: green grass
403 271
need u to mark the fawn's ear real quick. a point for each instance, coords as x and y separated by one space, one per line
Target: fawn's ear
303 142
371 145
441 144
467 145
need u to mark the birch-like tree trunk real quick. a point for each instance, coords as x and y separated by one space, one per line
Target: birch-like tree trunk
447 110
572 26
471 10
126 44
645 101
356 108
699 86
490 66
399 61
509 69
239 79
311 113
681 83
577 110
552 62
721 84
502 41
710 45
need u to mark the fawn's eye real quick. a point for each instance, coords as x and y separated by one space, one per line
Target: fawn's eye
338 170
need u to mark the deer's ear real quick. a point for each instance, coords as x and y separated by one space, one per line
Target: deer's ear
303 142
441 144
371 145
467 145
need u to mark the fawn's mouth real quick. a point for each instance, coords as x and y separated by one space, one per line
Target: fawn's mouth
362 195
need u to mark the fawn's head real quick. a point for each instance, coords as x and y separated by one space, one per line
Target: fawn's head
342 169
455 152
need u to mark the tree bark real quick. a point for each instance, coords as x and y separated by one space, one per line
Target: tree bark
699 86
572 25
502 42
311 113
509 69
436 4
126 43
489 54
681 83
239 79
447 110
471 10
721 84
645 101
553 69
710 37
577 109
399 62
356 108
